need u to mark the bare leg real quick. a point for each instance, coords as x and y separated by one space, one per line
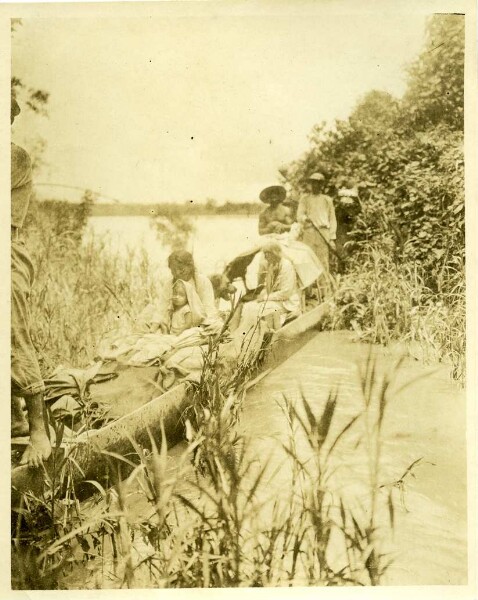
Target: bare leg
19 422
39 448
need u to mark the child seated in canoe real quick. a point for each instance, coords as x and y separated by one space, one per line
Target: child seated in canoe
187 310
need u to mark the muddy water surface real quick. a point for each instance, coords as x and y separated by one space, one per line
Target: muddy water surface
425 419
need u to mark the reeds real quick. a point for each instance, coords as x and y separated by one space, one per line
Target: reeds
216 520
81 290
385 301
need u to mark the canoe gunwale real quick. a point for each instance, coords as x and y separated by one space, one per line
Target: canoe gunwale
168 408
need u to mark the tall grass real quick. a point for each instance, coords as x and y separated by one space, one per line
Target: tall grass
213 521
219 519
385 301
82 291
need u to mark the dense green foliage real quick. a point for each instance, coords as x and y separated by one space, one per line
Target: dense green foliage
405 156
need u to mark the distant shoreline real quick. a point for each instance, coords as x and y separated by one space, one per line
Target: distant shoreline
168 209
204 214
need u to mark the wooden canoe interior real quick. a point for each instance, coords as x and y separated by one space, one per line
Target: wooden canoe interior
145 420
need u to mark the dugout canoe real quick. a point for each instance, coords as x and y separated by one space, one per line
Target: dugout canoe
92 450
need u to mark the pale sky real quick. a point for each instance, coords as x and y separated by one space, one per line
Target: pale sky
169 109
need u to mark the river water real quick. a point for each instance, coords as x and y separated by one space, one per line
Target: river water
214 241
425 420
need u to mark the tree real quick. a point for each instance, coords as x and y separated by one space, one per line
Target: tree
436 78
406 158
35 101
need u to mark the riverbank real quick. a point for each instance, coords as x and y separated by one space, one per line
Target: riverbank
84 289
188 208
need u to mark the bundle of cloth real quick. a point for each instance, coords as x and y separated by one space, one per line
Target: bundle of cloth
169 345
173 337
247 265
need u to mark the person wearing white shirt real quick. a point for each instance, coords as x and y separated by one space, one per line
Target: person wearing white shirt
182 267
279 299
316 215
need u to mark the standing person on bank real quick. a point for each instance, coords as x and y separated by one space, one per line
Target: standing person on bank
26 379
316 215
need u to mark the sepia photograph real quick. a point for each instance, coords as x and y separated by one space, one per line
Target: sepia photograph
238 350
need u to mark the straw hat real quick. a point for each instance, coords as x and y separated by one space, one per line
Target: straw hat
317 177
273 192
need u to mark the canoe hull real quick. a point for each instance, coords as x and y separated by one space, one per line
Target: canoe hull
91 449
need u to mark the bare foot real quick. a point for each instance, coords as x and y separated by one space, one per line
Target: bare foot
39 448
37 451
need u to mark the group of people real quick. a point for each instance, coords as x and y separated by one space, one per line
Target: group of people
294 252
286 268
315 222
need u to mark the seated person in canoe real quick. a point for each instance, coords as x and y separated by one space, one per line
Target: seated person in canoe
275 223
279 298
174 331
276 218
182 267
187 310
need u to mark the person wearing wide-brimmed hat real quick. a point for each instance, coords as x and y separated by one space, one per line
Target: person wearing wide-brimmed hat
276 218
316 214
